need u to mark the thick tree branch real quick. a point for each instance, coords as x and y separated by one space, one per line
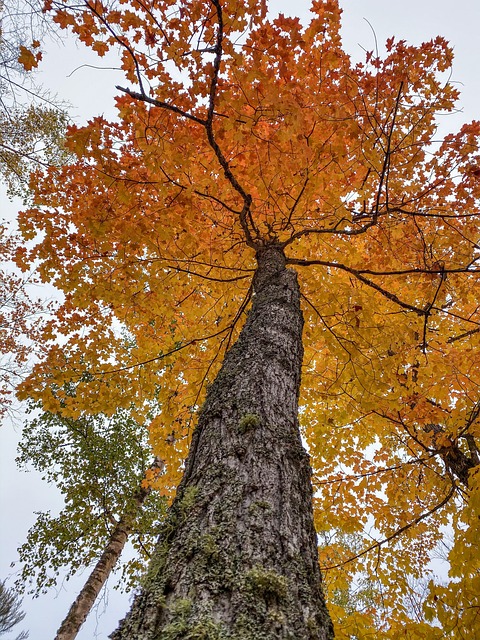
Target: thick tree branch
358 274
247 198
455 460
397 272
162 105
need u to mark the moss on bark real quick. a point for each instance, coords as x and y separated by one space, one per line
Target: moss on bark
237 559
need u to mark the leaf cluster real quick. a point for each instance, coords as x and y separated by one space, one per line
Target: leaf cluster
98 464
20 320
32 125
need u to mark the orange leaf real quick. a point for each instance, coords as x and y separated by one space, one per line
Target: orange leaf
28 59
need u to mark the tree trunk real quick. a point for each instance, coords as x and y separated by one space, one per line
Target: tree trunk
86 598
456 462
237 559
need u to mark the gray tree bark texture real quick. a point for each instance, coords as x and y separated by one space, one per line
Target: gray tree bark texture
237 559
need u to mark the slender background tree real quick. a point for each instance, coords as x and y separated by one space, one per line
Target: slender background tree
32 125
32 130
100 465
10 612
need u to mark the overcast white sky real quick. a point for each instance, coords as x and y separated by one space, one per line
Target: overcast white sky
91 93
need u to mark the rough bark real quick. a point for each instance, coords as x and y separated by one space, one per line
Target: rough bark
456 462
237 559
86 598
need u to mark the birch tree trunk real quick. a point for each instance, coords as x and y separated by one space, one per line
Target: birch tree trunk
238 557
113 550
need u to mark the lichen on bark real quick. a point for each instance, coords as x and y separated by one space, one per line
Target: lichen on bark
237 559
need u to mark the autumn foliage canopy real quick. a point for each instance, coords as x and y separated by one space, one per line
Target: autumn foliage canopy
236 130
